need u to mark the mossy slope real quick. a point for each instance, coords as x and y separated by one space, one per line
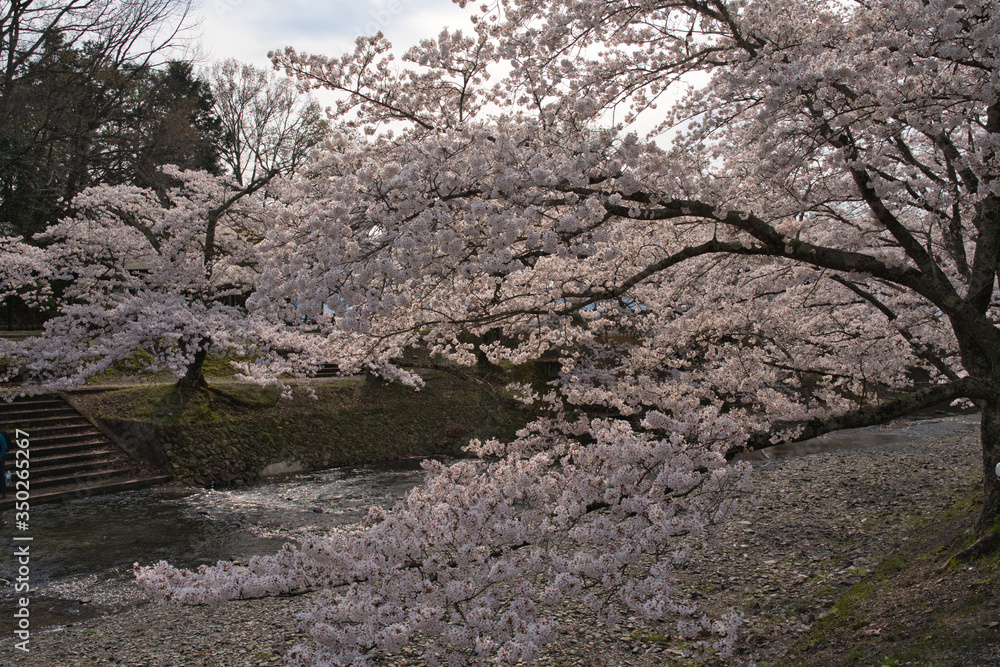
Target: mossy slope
232 435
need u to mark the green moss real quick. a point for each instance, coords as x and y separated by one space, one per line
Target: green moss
136 368
896 563
265 655
856 655
917 612
846 604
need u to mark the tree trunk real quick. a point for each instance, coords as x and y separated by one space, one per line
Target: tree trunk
194 377
990 436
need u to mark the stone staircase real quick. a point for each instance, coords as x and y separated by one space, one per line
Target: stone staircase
328 371
69 455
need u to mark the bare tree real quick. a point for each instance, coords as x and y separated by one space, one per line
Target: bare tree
69 73
267 124
121 32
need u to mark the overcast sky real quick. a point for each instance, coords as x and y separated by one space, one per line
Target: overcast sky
248 29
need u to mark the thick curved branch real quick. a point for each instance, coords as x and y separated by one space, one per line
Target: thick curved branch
865 185
933 286
877 414
987 221
216 213
130 220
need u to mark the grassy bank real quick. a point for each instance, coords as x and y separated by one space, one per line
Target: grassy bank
918 607
233 434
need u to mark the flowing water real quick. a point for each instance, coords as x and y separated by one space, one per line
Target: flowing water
926 424
82 551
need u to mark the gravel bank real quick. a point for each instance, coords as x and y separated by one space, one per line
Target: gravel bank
819 522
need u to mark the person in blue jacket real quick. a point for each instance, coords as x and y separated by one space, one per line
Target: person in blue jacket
4 437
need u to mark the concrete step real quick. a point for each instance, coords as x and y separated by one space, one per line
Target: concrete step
25 418
79 472
42 441
70 491
80 427
70 447
82 458
54 467
328 371
19 409
74 479
69 456
35 398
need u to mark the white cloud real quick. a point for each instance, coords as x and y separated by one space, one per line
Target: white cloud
248 29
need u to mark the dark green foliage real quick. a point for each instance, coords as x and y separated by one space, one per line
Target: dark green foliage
72 119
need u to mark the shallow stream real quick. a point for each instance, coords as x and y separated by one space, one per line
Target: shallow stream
82 551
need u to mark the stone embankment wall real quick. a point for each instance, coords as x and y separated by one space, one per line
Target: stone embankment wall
237 453
211 441
183 453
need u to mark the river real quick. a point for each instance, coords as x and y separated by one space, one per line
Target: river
82 550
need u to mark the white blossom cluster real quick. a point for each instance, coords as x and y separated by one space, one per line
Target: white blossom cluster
808 233
144 278
477 559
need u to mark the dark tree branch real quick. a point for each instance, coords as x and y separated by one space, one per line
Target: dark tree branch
878 414
921 350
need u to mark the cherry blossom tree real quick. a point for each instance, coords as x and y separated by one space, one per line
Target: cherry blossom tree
807 240
811 233
156 279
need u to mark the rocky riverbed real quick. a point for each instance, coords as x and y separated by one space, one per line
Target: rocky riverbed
814 564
